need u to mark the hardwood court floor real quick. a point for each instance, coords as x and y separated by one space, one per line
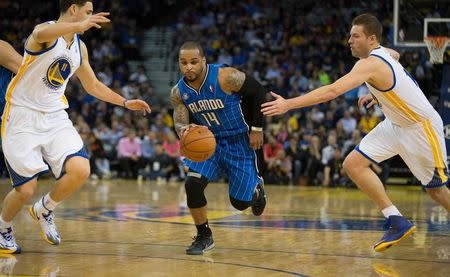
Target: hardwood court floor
121 228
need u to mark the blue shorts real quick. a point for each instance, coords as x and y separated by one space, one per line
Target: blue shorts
235 158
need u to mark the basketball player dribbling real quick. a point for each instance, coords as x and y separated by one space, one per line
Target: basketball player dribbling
412 128
37 134
210 95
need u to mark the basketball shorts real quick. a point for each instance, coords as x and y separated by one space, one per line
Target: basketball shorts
237 160
34 142
421 146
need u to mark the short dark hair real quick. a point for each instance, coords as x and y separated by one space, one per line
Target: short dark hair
371 24
64 5
189 45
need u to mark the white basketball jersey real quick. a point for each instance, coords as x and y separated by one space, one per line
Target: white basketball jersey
42 78
404 103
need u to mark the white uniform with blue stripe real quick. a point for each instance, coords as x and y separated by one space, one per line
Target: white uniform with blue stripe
221 113
36 130
412 128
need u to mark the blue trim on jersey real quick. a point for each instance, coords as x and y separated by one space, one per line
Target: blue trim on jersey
365 155
393 73
81 153
79 49
18 180
42 51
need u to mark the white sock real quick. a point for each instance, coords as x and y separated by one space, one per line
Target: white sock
391 210
47 203
4 224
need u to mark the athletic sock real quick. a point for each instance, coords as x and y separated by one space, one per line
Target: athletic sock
391 210
203 229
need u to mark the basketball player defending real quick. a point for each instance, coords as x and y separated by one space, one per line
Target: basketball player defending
412 128
210 94
36 131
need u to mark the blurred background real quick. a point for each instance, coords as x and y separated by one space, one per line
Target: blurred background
291 47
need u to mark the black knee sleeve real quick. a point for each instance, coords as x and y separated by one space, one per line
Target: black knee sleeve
195 190
239 204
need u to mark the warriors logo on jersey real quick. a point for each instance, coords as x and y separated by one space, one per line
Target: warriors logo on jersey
57 73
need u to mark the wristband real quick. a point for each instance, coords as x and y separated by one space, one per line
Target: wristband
125 103
257 129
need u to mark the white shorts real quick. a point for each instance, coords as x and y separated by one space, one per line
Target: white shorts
421 146
33 141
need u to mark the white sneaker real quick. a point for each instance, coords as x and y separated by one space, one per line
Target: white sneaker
8 243
48 227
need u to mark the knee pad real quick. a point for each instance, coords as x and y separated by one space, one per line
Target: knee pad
239 204
195 190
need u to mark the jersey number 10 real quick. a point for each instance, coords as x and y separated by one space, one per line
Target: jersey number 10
211 118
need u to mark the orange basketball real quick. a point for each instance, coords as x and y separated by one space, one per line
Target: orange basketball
198 144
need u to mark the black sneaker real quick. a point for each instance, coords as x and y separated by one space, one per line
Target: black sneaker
200 245
260 203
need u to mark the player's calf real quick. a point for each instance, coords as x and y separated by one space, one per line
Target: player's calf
441 195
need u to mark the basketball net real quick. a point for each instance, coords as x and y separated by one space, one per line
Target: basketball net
436 46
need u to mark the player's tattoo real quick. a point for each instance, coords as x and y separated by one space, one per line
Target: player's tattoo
180 112
234 80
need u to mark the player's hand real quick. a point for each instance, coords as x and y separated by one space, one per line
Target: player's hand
186 128
138 105
94 21
256 139
275 107
363 100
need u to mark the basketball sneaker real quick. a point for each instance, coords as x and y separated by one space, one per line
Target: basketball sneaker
200 245
260 202
8 243
397 228
47 223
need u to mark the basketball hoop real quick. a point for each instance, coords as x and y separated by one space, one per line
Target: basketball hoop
436 46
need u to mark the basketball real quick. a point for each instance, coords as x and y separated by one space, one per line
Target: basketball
198 144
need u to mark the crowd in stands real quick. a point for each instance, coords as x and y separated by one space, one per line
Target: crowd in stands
291 47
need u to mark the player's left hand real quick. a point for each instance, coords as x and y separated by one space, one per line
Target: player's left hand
256 139
138 105
275 107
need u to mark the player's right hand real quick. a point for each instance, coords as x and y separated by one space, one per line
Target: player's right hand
94 21
186 128
363 100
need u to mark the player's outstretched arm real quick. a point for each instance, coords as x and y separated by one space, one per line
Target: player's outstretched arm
9 58
45 32
361 72
100 91
180 112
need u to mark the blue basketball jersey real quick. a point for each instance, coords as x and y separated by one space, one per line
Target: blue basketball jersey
5 78
212 107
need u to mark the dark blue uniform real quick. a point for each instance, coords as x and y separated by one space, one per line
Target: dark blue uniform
222 114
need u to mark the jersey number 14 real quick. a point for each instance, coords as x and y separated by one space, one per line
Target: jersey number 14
211 118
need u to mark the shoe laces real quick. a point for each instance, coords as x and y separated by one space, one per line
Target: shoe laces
49 217
387 224
8 235
198 240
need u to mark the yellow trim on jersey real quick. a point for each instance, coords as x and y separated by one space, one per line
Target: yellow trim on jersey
22 69
64 100
426 125
436 147
402 106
